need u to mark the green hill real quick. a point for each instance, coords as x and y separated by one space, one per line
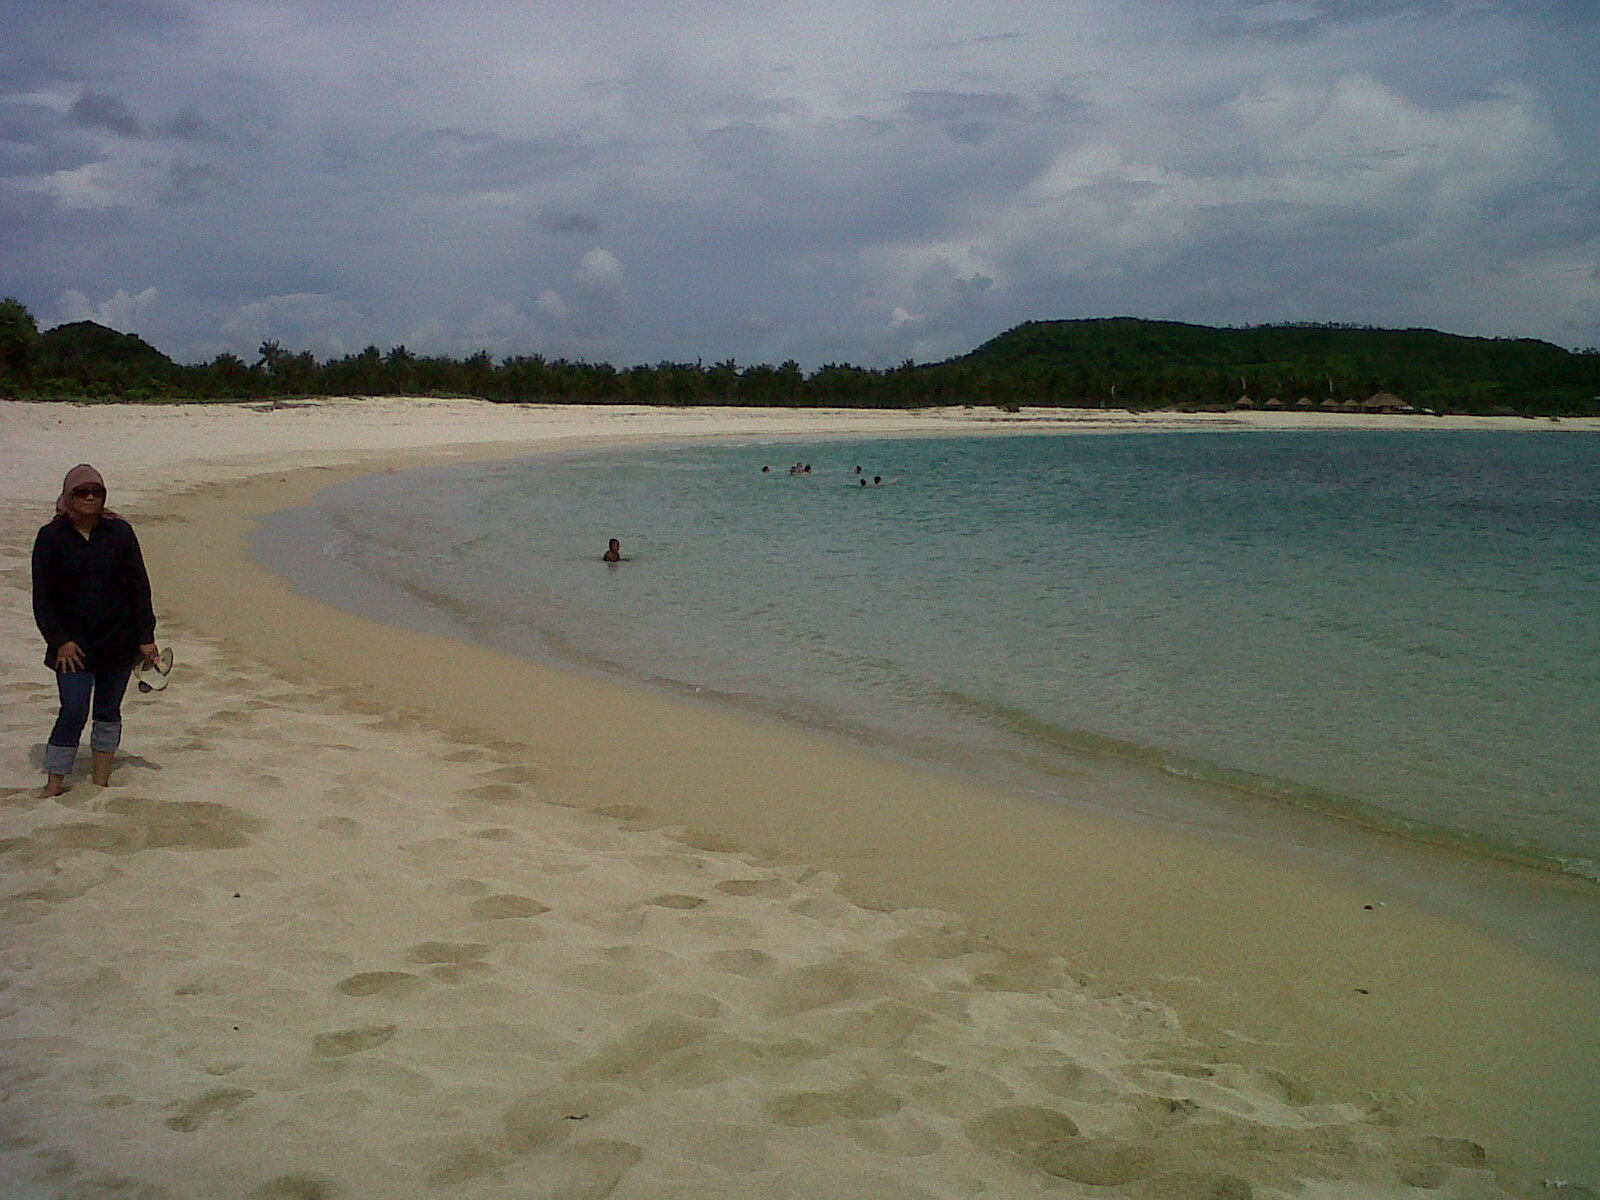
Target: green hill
1157 363
86 351
1122 362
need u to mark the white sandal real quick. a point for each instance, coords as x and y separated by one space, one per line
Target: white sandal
153 675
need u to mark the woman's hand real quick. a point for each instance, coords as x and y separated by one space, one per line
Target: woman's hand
150 654
69 658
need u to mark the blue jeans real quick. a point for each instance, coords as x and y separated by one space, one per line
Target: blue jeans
78 689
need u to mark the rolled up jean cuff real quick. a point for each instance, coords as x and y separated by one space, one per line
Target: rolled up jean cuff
105 735
58 760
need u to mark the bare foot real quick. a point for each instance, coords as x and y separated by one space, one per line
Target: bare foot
54 785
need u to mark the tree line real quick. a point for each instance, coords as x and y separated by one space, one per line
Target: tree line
1111 362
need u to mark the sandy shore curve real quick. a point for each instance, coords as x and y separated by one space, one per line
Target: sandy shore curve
373 913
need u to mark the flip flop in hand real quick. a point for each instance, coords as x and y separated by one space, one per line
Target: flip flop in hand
153 675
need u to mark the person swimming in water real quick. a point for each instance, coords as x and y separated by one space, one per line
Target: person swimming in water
613 552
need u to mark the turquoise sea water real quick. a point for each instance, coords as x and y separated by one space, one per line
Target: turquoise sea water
1396 630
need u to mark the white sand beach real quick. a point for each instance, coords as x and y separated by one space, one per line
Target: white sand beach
370 914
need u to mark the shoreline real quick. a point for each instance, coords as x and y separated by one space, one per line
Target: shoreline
1267 962
1507 891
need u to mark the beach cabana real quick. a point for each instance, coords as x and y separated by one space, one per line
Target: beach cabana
1385 402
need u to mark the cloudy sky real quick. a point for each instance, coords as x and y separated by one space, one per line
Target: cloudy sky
825 180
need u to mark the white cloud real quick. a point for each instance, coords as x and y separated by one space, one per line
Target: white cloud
123 312
1358 141
325 325
598 271
93 185
598 297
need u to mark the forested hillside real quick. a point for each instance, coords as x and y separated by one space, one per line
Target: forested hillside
1120 362
1153 363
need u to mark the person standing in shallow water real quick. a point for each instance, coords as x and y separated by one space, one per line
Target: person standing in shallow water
91 601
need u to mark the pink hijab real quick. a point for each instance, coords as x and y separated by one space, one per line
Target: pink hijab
79 475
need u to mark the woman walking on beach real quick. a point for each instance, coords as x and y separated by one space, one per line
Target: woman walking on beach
91 600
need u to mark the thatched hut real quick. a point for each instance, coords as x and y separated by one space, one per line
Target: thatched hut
1274 403
1385 402
1304 403
1244 402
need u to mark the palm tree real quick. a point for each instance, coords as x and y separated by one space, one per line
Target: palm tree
271 355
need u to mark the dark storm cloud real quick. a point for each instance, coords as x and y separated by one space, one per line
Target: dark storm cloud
574 223
96 110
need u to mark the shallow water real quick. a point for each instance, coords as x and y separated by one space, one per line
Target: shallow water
1399 631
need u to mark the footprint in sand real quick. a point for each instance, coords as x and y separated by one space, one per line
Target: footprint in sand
885 1026
498 793
452 962
712 843
858 1102
744 961
1049 1141
642 1049
340 1043
1018 1129
296 1187
636 815
676 900
133 823
1099 1162
506 906
343 827
750 887
1071 1080
205 1106
378 983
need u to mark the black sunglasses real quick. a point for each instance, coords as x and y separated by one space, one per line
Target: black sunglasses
86 490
